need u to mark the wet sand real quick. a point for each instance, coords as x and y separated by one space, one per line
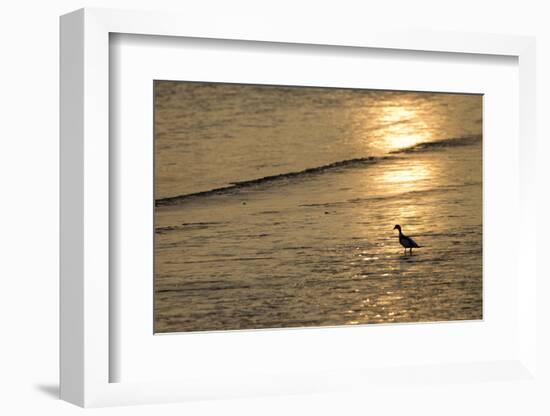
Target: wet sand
316 246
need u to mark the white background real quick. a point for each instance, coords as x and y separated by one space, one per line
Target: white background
29 217
137 60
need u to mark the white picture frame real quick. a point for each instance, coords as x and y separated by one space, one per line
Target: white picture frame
85 212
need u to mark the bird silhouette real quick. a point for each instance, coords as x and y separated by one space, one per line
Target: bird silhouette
405 241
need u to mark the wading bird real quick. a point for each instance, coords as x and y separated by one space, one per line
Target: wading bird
405 241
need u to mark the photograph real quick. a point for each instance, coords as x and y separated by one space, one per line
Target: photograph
280 206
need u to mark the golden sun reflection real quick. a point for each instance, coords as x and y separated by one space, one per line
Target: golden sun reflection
407 176
403 127
402 142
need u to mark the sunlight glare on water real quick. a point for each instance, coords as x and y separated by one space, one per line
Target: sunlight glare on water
406 177
315 245
398 131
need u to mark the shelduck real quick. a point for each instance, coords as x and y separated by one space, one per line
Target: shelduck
405 241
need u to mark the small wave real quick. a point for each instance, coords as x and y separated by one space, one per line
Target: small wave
342 164
440 144
235 186
187 225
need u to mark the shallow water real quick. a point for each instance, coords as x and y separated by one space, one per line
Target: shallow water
315 247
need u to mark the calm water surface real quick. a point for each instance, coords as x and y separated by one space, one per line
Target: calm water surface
276 207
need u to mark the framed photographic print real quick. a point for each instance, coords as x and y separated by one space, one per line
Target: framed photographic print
280 207
264 213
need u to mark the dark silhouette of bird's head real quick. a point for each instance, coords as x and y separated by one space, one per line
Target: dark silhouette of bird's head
397 226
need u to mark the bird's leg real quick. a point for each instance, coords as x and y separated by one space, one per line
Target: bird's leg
411 251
